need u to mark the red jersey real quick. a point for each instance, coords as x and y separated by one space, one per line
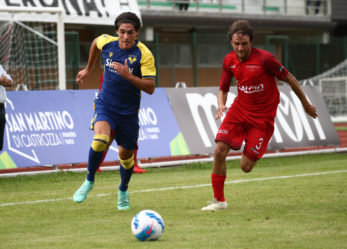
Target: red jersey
258 94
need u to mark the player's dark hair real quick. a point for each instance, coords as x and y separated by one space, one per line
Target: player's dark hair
128 17
243 27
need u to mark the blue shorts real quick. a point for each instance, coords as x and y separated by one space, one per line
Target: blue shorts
126 127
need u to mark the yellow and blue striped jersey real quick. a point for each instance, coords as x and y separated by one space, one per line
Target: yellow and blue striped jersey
118 94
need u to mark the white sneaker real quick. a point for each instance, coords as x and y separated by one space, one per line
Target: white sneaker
215 205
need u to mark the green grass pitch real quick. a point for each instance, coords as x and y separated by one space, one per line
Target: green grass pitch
293 202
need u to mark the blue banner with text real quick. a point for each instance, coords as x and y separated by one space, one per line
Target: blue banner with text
53 127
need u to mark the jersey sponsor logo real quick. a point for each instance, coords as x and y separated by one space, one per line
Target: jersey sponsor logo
252 89
281 68
252 66
233 66
108 62
132 59
111 69
110 54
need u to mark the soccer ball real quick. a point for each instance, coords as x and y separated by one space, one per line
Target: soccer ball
147 225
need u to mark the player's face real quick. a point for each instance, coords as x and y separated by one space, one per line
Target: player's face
127 35
242 46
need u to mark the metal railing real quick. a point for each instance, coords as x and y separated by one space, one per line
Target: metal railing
264 7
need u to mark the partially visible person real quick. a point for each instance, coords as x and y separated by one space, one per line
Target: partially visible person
313 7
137 168
5 81
183 5
129 69
251 116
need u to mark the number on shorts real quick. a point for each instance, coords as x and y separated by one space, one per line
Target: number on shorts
260 143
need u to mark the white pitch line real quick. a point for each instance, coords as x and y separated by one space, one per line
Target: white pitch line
179 187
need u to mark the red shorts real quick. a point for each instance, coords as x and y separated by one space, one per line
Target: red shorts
237 127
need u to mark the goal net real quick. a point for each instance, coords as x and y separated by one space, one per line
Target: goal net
333 86
32 52
335 95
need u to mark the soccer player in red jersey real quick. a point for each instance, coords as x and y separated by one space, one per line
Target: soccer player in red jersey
251 116
137 168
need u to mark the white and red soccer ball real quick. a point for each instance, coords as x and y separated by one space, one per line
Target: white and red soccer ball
147 225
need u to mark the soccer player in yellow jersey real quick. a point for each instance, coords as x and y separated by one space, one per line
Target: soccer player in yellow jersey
129 69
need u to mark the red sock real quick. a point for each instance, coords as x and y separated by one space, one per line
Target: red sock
102 160
218 186
135 156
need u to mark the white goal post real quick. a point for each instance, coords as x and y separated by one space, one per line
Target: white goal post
21 15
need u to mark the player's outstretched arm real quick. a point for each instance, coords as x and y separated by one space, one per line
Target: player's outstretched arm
294 84
222 99
93 56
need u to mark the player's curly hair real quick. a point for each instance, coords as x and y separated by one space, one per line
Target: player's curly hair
243 27
128 17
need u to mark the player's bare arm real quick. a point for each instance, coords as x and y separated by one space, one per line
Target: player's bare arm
5 81
93 56
222 99
294 84
146 85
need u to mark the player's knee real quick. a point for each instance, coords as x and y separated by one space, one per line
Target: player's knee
100 142
247 164
247 167
127 163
